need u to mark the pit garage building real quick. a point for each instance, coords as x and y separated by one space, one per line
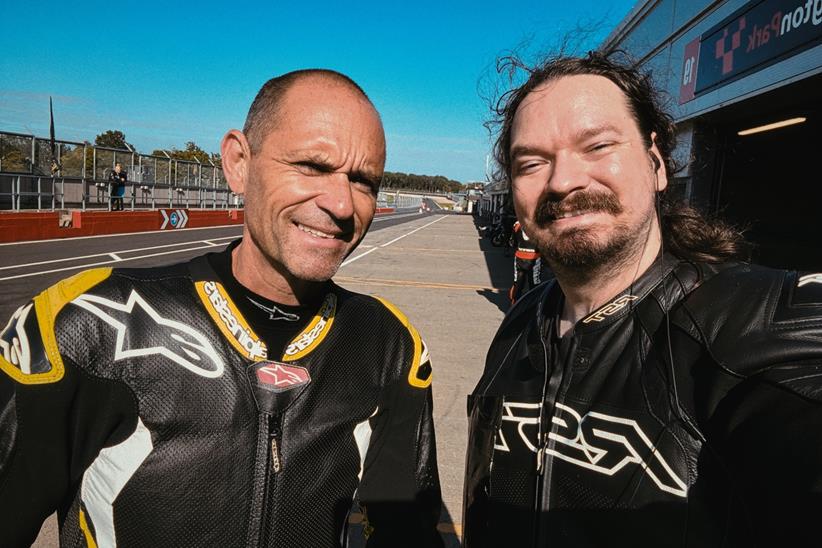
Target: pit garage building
744 79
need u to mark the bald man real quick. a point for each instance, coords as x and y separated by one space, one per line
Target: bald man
241 398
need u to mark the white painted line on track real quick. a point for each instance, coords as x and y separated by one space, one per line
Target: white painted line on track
376 219
70 238
361 255
116 258
409 233
119 251
398 216
89 265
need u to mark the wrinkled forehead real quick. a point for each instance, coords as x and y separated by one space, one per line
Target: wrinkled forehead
576 99
317 111
319 95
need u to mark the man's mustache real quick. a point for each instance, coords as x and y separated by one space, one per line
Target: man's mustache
549 209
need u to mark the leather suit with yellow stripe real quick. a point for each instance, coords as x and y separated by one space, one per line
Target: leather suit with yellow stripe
141 406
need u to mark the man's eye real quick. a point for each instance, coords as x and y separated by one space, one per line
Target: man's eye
599 147
365 184
310 168
527 167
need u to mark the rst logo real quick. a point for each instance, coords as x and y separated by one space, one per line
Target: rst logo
604 444
610 309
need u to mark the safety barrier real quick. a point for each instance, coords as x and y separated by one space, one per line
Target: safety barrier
24 192
35 175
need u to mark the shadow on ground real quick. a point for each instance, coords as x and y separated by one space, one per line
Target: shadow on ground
500 264
449 532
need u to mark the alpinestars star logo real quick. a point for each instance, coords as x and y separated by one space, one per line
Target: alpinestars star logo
275 313
174 340
602 443
279 377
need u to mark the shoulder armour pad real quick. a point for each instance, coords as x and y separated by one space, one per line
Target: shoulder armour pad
421 374
808 289
801 297
28 346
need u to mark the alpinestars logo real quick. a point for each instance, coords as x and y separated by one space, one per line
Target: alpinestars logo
279 377
275 313
315 331
177 341
253 347
602 443
14 342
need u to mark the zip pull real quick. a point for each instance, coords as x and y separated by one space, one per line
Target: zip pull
273 434
275 456
541 454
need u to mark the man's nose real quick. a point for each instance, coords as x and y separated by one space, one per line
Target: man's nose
569 173
336 197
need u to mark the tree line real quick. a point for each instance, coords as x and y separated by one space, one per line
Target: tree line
425 183
14 159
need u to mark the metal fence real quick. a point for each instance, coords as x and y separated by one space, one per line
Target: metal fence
31 178
388 198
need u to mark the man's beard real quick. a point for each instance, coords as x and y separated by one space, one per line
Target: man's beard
580 252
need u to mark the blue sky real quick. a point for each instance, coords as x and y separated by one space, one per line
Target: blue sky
167 73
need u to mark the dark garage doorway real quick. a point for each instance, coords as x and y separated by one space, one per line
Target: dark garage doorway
771 182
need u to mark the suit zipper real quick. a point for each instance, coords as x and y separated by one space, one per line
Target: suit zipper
555 388
267 464
274 434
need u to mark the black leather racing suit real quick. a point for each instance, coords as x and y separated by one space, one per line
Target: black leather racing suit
142 407
702 427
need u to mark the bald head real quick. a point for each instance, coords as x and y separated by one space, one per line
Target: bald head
265 113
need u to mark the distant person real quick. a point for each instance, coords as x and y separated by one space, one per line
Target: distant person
661 391
241 398
526 265
117 186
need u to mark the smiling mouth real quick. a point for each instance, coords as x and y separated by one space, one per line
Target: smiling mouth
574 213
315 232
569 214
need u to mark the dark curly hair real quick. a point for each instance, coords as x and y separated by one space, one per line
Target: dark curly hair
686 232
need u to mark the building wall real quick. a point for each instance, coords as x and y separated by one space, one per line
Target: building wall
656 33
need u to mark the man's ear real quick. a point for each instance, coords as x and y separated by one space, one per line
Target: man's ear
659 166
236 155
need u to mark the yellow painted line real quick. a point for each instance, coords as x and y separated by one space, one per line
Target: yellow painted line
411 283
433 250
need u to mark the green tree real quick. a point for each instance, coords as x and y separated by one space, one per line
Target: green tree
191 152
13 160
72 159
422 183
113 138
